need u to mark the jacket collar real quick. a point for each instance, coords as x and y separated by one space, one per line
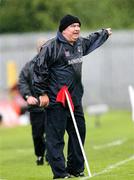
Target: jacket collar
61 38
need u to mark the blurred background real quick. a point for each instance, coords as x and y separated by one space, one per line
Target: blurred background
107 72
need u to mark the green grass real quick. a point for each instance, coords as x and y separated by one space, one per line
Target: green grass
17 160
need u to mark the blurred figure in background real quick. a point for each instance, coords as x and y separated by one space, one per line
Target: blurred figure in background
39 44
37 114
18 103
13 107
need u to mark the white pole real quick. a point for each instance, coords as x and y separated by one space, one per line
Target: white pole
131 95
78 135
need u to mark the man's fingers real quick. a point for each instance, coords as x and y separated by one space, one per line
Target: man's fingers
32 100
109 30
44 100
44 103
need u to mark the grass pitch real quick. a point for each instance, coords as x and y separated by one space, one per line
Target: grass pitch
109 149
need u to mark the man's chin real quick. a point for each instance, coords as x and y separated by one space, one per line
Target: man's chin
75 38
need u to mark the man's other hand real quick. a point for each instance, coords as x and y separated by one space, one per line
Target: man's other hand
44 100
32 100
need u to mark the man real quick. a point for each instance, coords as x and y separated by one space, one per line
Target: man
59 63
37 114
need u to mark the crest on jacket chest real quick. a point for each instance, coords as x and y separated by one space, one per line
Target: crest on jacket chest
67 53
78 51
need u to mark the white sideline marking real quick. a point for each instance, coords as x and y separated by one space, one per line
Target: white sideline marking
109 168
114 143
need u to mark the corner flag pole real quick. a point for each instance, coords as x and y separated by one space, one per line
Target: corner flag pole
78 135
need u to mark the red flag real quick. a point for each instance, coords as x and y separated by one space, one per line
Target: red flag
61 96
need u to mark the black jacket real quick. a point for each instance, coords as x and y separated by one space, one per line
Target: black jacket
25 84
59 63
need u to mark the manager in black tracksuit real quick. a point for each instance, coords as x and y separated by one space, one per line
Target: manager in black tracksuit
37 114
59 63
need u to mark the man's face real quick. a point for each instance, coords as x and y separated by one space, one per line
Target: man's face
72 32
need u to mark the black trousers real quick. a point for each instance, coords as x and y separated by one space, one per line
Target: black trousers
59 120
38 124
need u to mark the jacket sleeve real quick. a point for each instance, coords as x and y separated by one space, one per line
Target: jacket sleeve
24 81
41 75
94 41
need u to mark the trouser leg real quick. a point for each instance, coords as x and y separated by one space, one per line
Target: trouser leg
38 128
55 129
75 160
